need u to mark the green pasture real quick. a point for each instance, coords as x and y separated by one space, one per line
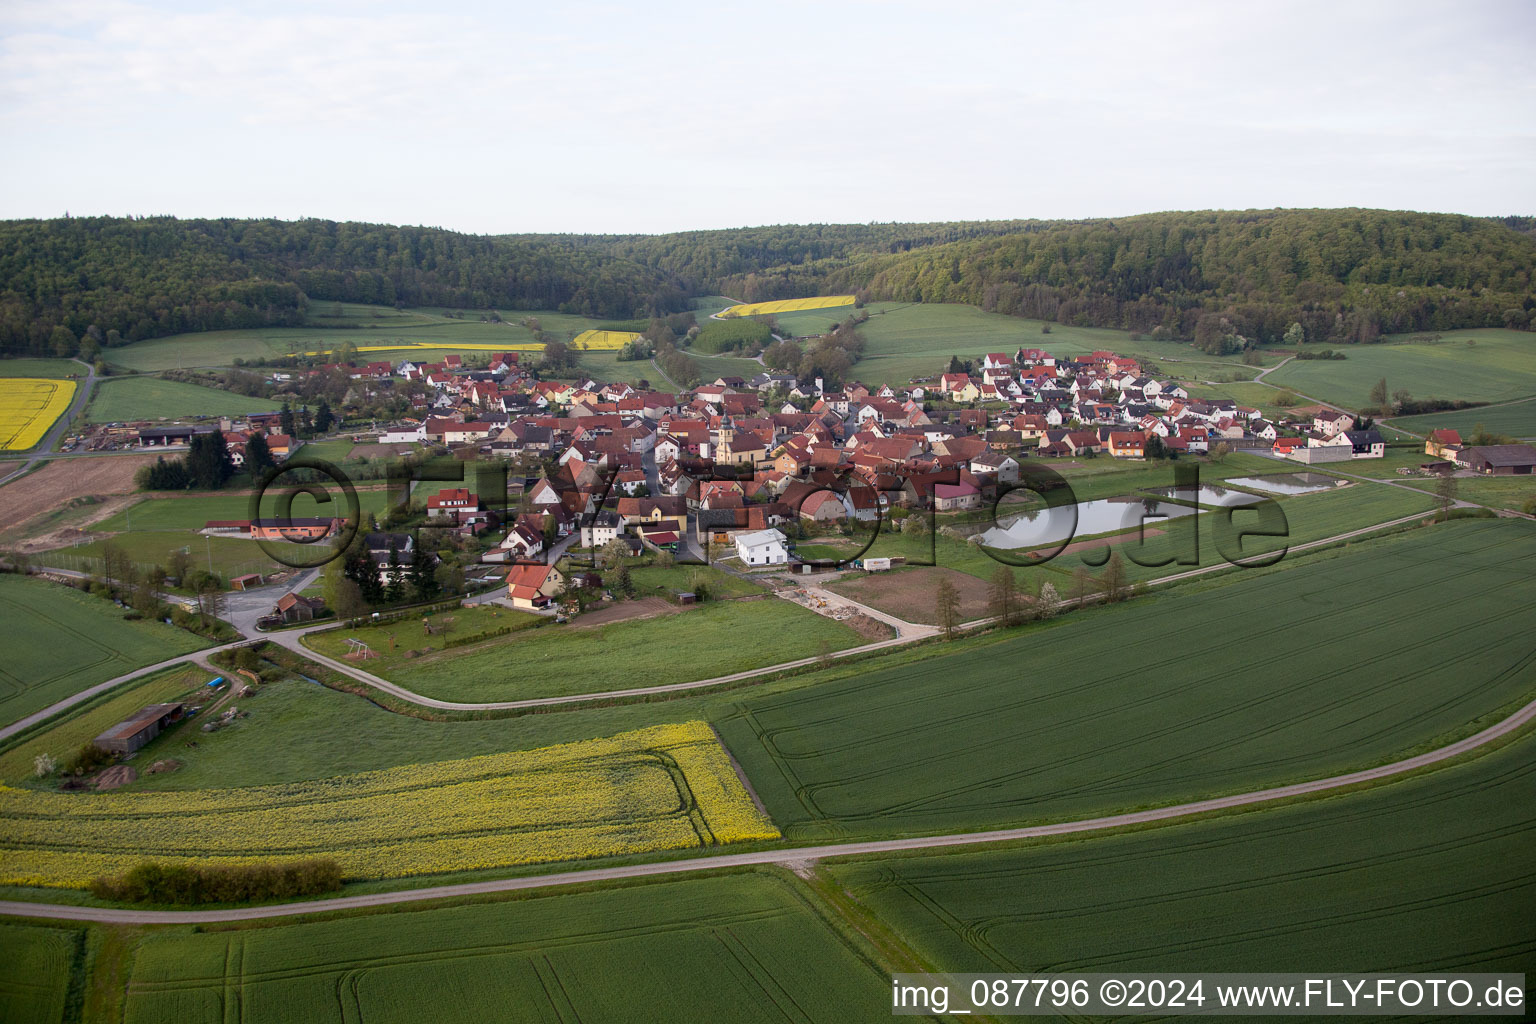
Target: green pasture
122 399
710 639
1516 419
1490 365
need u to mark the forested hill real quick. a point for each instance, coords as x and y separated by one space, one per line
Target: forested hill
1346 275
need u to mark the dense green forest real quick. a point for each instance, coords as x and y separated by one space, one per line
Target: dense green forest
1223 279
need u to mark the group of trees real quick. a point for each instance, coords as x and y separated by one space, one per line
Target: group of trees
207 465
80 285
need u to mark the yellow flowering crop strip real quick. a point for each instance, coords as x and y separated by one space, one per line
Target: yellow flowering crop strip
603 341
786 306
445 346
659 788
28 407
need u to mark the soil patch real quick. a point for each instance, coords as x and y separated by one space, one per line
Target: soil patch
623 611
908 593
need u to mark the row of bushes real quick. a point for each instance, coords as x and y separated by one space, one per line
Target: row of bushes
239 883
487 634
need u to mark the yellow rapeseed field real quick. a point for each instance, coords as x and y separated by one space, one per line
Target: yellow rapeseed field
659 788
599 341
405 346
787 305
28 407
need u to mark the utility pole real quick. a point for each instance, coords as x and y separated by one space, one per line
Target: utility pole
209 539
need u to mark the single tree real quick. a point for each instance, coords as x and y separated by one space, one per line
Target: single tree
1295 335
423 577
286 420
1050 601
394 588
1082 583
1445 490
946 608
1220 452
1003 596
258 457
1379 396
324 418
1113 580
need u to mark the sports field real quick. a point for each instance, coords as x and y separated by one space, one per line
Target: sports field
1388 646
1428 873
663 788
737 948
786 306
146 398
28 407
1483 365
59 641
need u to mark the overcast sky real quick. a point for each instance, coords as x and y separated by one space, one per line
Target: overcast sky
666 116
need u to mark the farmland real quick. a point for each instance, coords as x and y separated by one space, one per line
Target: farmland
70 732
786 306
59 641
713 638
1516 419
600 341
28 407
1431 870
36 970
661 788
740 947
146 398
1044 726
1484 365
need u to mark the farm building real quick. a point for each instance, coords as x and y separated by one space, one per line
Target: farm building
151 437
1499 459
297 608
297 528
139 728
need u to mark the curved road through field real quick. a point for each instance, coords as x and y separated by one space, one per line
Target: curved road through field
791 855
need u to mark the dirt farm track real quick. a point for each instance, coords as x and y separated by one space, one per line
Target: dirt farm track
63 479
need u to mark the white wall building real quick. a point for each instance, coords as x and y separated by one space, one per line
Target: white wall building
764 547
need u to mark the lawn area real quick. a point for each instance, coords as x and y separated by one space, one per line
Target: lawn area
1104 477
60 641
123 399
1434 869
1489 365
1512 492
1331 664
395 642
711 639
651 580
743 947
39 965
91 719
1517 419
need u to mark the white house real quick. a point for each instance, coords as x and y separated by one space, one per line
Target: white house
404 434
763 547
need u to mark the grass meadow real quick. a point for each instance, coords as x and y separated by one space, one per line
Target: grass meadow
122 399
1489 365
741 947
710 639
1432 871
1516 419
60 641
1389 646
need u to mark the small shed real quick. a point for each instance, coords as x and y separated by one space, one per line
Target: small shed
687 597
139 728
250 579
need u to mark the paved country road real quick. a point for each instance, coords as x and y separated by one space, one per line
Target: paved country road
43 448
799 854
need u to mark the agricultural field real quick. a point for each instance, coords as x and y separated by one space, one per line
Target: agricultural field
169 512
60 640
78 727
123 399
711 367
1368 653
909 593
42 499
786 306
36 971
28 407
1430 870
225 556
602 341
748 946
710 639
667 787
28 367
1482 365
1515 419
